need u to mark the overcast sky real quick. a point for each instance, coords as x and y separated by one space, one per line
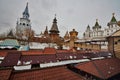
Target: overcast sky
70 13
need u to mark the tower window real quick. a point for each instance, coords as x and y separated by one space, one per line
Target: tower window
27 24
23 23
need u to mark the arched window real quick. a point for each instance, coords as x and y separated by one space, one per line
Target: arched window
24 24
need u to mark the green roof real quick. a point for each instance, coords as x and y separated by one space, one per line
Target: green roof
9 42
113 19
96 24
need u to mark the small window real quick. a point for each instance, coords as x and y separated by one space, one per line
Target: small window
27 24
23 23
116 43
35 65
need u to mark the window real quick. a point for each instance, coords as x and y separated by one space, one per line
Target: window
27 24
23 23
35 66
116 43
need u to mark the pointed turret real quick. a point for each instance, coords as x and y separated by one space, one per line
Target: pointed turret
46 31
113 18
97 26
88 28
26 12
54 28
54 32
112 21
67 36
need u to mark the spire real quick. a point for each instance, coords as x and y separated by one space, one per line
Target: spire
54 27
113 18
96 25
66 36
46 31
55 20
26 12
88 28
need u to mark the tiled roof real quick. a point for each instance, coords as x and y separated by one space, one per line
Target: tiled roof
5 74
49 51
103 69
68 56
54 73
3 53
37 59
46 56
32 52
62 51
11 59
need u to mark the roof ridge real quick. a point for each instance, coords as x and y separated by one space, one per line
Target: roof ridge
99 71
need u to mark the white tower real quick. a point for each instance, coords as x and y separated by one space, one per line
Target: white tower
87 33
23 24
112 26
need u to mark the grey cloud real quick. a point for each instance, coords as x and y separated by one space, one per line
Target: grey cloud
70 13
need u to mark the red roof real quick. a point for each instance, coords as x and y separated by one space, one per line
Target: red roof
5 74
32 52
103 69
11 59
3 53
53 73
37 59
49 51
